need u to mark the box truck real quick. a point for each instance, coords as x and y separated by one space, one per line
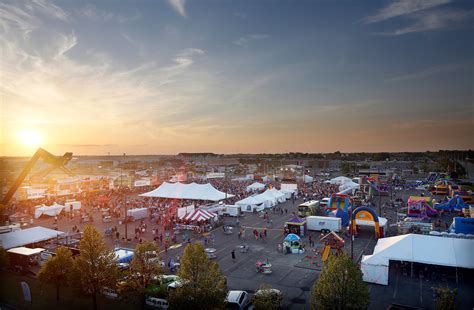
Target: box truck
323 223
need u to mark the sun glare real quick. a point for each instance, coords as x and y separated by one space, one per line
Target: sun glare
29 137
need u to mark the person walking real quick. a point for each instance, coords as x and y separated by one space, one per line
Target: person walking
233 255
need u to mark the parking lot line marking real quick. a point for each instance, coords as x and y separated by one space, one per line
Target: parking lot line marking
396 284
421 291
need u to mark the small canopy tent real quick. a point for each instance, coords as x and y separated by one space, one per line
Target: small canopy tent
296 225
255 187
292 243
52 210
199 215
191 191
308 179
452 252
123 255
27 236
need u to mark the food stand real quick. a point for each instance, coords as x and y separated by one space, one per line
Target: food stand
296 225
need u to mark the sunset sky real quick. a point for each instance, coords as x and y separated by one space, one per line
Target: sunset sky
162 77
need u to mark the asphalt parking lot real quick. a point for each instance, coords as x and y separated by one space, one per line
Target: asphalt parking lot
295 274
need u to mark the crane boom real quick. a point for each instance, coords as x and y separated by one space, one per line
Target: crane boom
55 162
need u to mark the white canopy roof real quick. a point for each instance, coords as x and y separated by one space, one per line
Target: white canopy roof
26 251
433 250
52 210
191 191
255 186
27 236
340 180
307 179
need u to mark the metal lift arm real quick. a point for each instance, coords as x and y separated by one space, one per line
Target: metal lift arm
55 161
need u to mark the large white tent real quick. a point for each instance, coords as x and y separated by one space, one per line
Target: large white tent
23 237
52 210
281 197
191 191
255 187
452 252
252 203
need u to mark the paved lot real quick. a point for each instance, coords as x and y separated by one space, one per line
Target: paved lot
293 274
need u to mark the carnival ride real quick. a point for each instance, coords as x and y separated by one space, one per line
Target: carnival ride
332 244
456 203
340 203
420 207
366 214
54 162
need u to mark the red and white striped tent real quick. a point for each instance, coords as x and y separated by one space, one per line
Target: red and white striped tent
199 215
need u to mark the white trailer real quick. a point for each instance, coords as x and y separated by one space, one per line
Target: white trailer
138 213
323 223
232 210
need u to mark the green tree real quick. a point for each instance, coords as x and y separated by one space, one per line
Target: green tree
203 286
340 286
57 269
4 260
446 299
144 268
267 298
96 267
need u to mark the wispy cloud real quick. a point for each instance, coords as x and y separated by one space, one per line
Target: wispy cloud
240 15
92 12
426 73
403 7
435 20
179 6
246 40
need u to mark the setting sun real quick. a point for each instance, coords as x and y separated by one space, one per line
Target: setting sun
29 137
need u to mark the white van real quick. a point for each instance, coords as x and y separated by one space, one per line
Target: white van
156 302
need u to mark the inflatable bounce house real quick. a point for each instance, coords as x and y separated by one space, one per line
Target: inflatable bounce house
366 214
339 204
375 185
420 207
454 204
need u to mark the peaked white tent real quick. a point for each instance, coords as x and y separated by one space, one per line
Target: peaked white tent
27 236
255 187
416 248
252 203
348 187
281 197
52 210
340 180
191 191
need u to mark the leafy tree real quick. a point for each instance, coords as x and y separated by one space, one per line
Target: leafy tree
57 269
4 260
96 267
445 299
267 298
203 286
340 286
143 269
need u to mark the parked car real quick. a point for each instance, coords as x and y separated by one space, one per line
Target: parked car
158 303
237 300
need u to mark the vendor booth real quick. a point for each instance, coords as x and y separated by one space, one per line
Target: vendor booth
123 255
292 244
296 225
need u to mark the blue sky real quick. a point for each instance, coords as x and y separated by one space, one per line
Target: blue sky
164 77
